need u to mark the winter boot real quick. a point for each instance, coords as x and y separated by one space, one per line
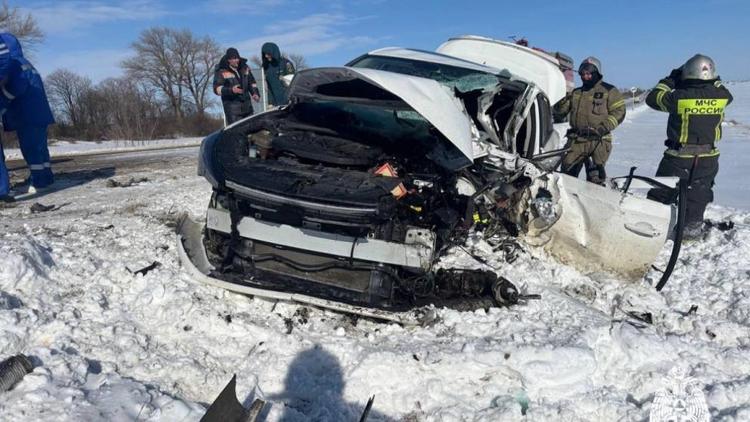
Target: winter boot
693 231
33 190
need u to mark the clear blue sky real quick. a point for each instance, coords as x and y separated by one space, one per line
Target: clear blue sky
637 41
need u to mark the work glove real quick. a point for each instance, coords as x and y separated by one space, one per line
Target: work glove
676 74
671 83
593 131
601 131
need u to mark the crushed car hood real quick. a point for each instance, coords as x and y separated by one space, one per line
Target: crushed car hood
432 101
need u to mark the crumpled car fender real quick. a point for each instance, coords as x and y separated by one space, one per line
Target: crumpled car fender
596 228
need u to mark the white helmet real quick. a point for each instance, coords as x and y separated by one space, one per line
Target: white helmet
699 67
592 61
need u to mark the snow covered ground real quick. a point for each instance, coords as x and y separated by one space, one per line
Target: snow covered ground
111 345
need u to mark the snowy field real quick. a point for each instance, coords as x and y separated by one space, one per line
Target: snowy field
111 345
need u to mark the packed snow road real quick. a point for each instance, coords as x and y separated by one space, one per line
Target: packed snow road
112 344
102 164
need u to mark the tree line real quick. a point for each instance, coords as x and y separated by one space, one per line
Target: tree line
166 89
165 92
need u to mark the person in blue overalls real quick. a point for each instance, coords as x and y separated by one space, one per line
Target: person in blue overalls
26 111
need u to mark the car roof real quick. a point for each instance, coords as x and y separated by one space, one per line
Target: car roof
432 57
543 54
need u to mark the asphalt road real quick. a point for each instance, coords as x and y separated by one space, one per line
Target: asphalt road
108 164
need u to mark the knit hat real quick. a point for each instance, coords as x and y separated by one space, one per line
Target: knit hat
232 53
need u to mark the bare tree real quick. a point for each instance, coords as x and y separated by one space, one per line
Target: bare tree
298 60
66 92
132 112
176 63
196 58
116 108
23 26
156 64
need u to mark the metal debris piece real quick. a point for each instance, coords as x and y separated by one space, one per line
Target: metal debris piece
146 269
37 208
112 183
226 407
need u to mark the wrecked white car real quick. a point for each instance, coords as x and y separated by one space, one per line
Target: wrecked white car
348 196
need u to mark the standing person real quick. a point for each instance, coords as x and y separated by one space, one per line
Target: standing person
275 66
4 178
236 85
595 109
27 112
695 99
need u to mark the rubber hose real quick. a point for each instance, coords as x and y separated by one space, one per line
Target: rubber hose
12 370
681 211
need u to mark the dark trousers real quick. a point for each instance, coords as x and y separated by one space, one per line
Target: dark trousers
593 153
699 172
237 110
4 178
33 143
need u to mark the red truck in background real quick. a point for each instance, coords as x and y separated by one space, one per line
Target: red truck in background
564 61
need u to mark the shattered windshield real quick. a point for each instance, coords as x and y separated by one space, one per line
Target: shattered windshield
451 76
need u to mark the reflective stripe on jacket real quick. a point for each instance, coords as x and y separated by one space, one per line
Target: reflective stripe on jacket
601 106
225 78
696 111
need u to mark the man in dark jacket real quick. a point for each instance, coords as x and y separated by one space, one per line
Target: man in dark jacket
234 81
595 110
25 109
695 99
275 66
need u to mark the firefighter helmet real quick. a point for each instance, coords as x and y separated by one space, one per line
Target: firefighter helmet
593 61
699 67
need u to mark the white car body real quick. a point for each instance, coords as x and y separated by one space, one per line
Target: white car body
353 190
539 68
598 228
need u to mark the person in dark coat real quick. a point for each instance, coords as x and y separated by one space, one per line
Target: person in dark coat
25 109
695 99
275 66
236 85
